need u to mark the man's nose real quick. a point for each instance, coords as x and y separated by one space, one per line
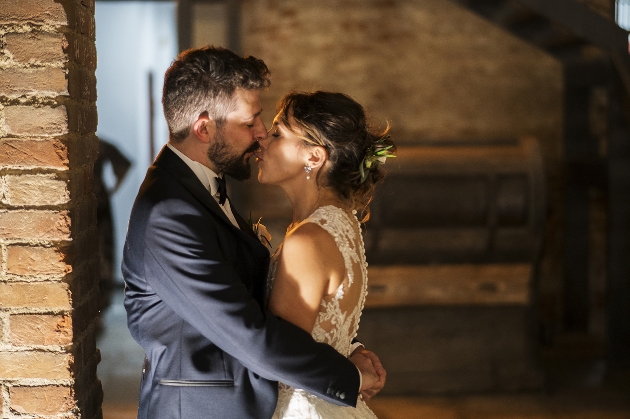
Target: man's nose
261 132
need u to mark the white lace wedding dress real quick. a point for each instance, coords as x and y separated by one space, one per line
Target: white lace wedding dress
338 319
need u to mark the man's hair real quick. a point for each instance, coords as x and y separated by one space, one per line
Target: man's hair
203 80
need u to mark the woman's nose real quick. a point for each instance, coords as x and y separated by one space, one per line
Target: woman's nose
263 141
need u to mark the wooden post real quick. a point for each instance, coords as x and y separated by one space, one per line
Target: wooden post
184 24
618 303
234 26
578 147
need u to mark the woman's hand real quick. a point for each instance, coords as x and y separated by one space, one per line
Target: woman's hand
369 377
368 392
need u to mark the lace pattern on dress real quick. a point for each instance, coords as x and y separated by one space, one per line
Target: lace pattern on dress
337 322
334 325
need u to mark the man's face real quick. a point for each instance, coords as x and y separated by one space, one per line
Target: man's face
237 139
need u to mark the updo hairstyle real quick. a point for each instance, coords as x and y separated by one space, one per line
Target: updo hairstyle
339 124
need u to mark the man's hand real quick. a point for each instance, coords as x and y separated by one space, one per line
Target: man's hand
369 377
368 392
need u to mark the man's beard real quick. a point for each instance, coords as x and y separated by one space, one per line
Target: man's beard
227 161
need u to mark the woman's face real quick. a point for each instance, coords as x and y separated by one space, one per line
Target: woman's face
282 156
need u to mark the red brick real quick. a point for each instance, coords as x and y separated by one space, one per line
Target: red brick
44 400
83 215
32 364
48 154
89 4
82 50
32 225
40 329
27 260
87 374
48 295
85 352
40 81
95 402
82 21
35 190
36 47
33 11
83 152
44 121
82 119
82 85
86 276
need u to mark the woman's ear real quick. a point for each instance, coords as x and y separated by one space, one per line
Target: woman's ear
204 128
317 156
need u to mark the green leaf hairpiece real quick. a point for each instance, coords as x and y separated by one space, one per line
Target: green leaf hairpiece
377 154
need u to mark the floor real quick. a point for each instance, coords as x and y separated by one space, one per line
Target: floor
578 386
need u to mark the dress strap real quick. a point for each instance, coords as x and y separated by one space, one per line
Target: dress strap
339 224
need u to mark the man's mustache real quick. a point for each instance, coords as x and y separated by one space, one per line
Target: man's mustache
254 147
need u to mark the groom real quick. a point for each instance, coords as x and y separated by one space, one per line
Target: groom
195 273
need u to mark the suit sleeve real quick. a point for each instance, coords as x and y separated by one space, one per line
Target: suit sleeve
184 265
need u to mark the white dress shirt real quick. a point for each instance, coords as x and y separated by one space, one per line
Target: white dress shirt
208 179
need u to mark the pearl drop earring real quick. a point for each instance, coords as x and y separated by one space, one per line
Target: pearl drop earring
308 170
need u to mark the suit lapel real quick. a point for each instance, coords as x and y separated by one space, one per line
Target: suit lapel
244 225
176 166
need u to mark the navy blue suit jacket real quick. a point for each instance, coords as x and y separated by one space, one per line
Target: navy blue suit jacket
194 288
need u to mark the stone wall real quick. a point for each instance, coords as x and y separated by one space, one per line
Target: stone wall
48 275
436 71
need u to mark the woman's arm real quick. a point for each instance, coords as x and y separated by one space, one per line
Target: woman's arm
309 267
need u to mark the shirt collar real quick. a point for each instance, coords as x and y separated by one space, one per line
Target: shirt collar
205 175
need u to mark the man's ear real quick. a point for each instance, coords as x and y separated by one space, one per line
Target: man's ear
204 128
317 156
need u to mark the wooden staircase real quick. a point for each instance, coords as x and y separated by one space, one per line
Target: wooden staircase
594 52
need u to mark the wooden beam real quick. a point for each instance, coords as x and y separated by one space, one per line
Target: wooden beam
621 61
583 21
234 26
579 146
184 24
618 283
453 285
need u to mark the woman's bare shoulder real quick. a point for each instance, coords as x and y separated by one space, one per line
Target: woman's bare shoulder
313 248
308 237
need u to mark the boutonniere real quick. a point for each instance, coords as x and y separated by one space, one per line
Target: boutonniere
260 231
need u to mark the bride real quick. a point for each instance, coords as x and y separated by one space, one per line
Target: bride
325 157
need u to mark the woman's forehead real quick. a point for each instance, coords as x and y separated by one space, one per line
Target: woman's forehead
288 123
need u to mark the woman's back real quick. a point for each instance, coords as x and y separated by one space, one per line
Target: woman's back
337 321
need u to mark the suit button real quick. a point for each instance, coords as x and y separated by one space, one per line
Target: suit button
329 390
342 396
337 393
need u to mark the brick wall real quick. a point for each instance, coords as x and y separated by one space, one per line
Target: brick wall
435 70
48 275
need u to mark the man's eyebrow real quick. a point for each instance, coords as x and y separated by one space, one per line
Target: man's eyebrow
257 113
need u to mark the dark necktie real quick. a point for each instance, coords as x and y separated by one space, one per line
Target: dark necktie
222 190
